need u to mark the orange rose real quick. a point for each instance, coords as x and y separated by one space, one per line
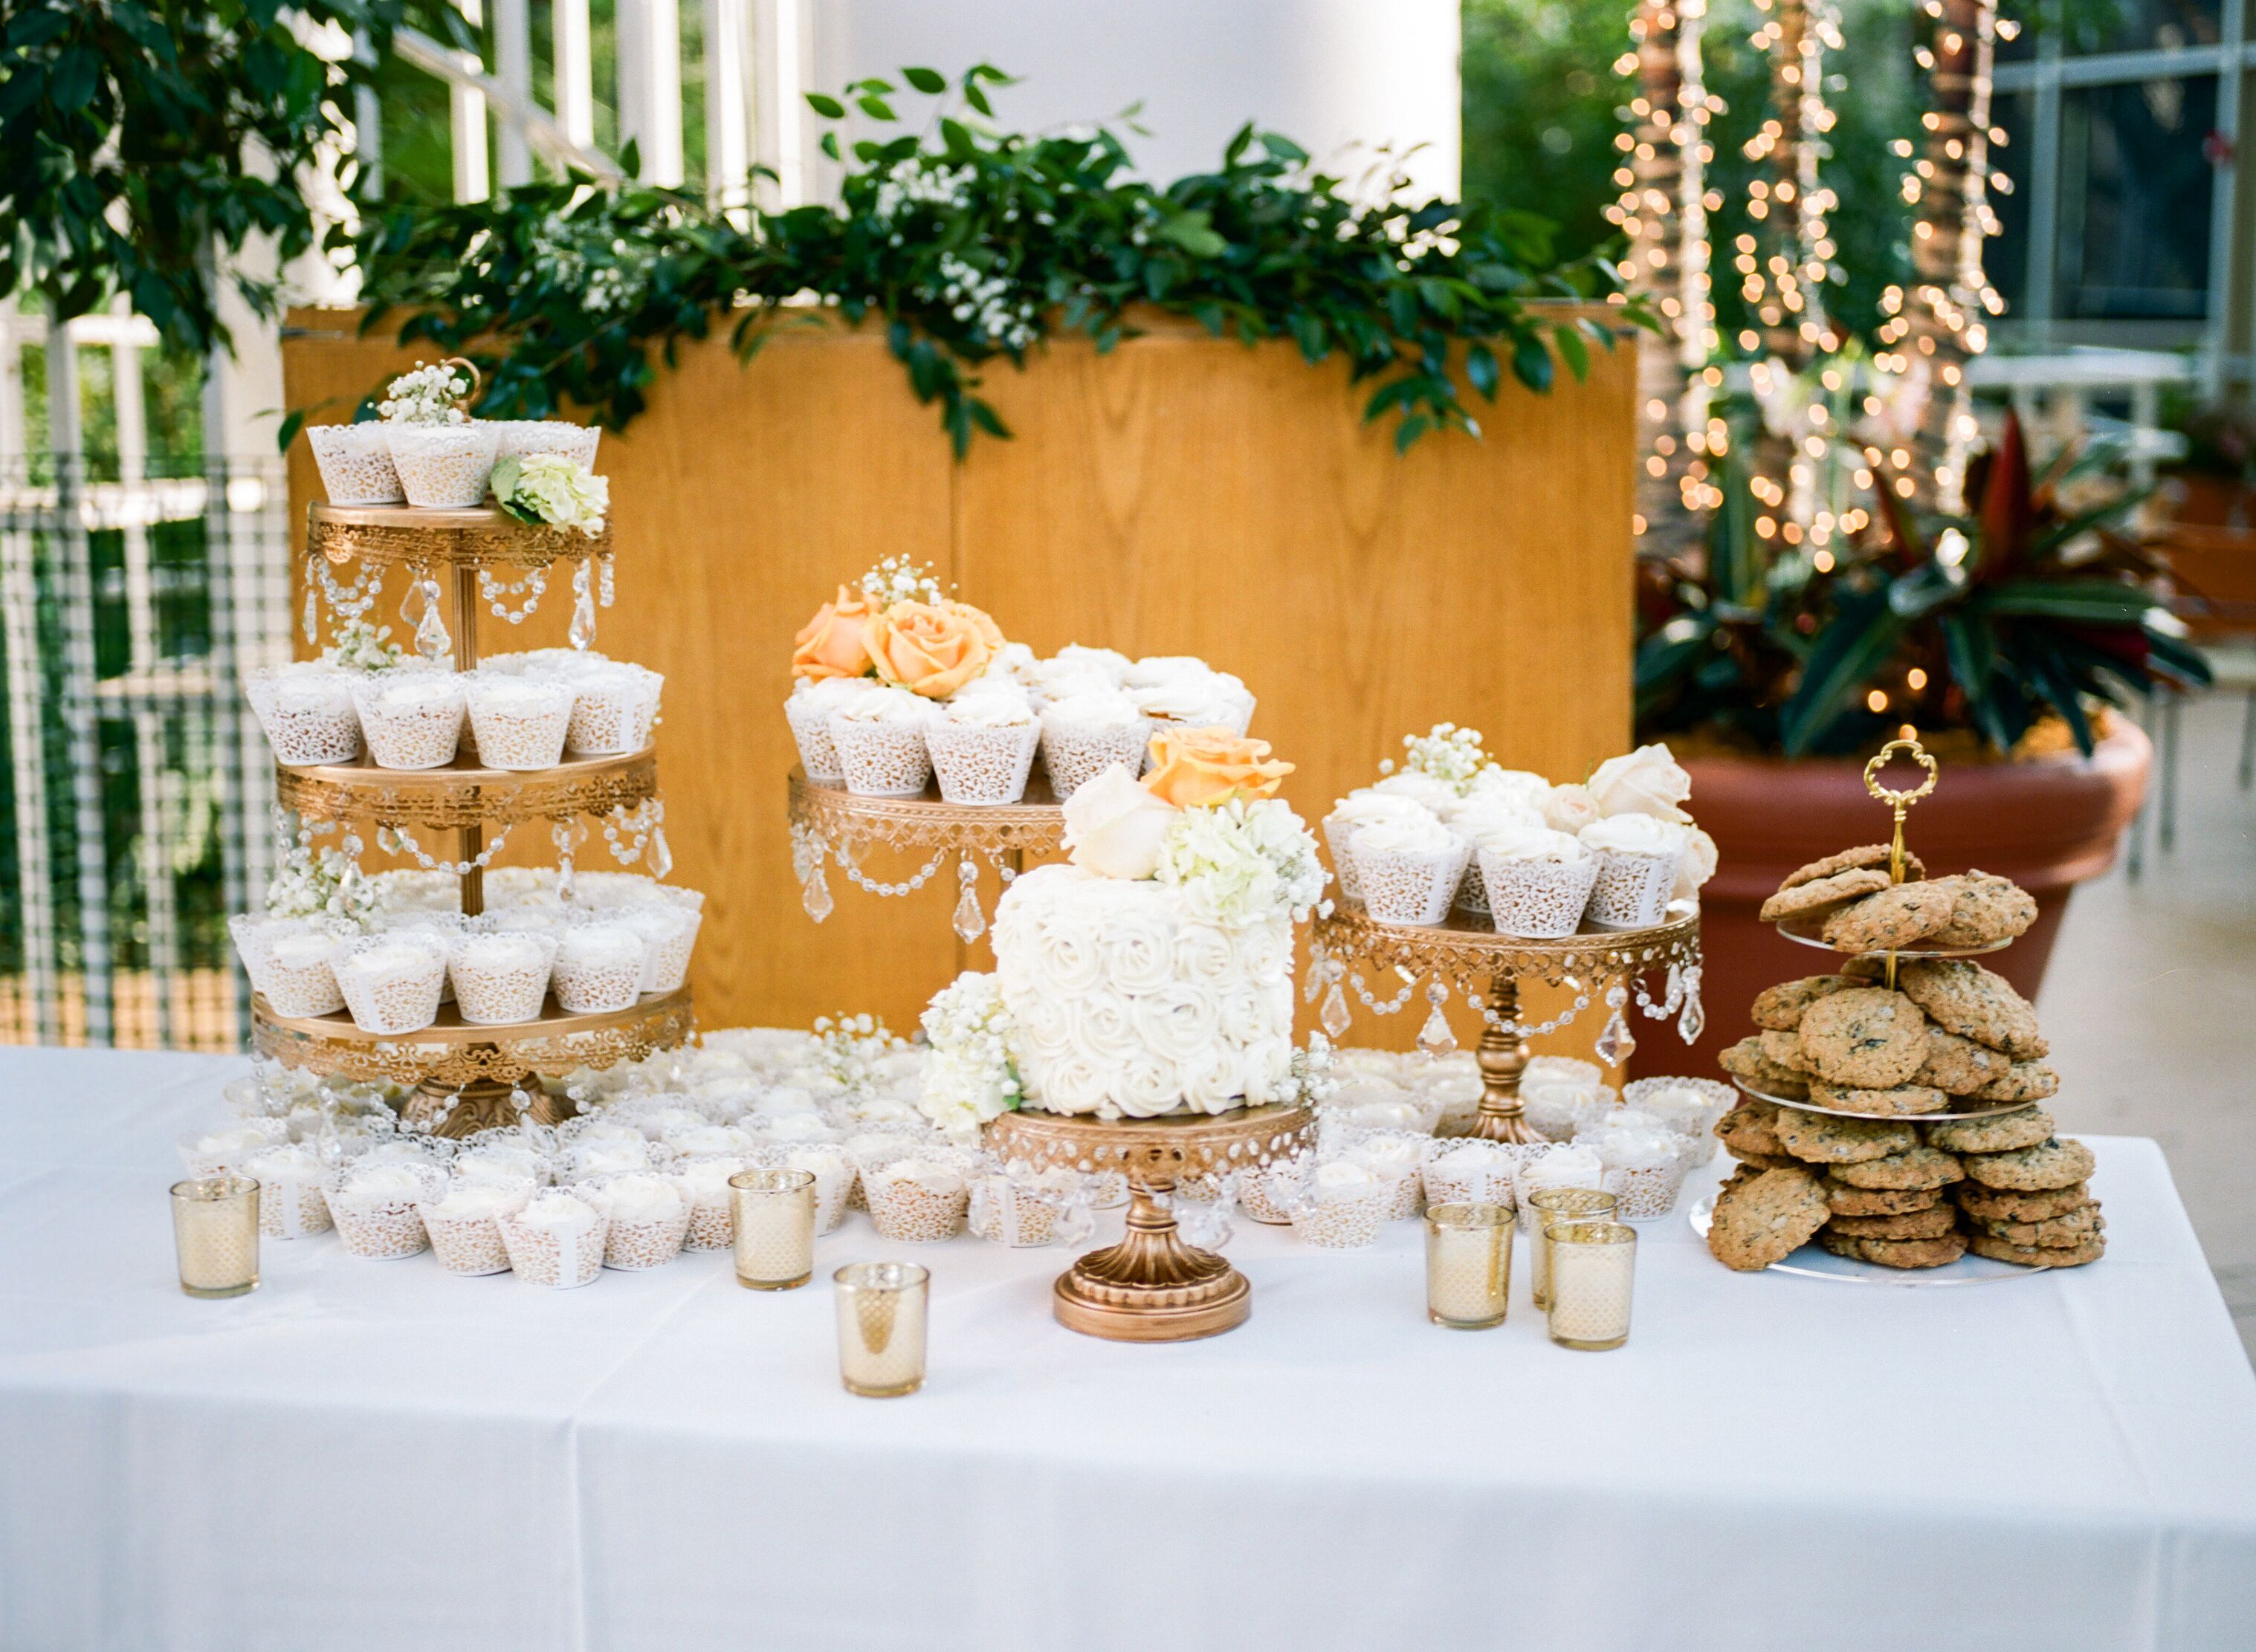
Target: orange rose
980 620
1195 767
830 644
926 648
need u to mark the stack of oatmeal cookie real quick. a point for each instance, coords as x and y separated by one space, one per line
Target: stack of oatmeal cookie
1952 1036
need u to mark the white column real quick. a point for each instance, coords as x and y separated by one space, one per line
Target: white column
650 86
727 102
573 41
466 119
783 63
513 68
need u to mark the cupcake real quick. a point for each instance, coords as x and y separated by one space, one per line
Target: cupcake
1420 788
1691 1107
355 464
1538 880
809 710
1408 868
647 1217
1342 1206
920 1196
1467 1171
704 1182
1645 1166
291 1203
1468 818
1189 695
598 968
411 718
306 711
1637 858
376 1204
519 722
554 1240
501 976
443 467
1085 732
1360 808
391 982
522 438
226 1151
1395 1156
1557 1105
880 737
1556 1166
669 933
834 1180
1013 1204
504 1156
614 708
464 1223
983 745
290 961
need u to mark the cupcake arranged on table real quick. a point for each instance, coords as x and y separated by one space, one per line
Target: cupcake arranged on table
1541 860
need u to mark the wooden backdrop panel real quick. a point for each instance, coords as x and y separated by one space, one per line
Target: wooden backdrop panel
1181 495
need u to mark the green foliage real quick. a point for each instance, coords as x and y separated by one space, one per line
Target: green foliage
972 245
126 133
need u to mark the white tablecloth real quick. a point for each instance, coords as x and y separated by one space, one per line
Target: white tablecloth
378 1455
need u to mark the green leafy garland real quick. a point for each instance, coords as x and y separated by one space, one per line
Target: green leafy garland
973 245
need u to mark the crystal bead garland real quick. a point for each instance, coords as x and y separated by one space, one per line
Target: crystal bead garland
641 822
583 606
345 601
399 840
498 597
567 835
1435 1038
970 920
1614 1040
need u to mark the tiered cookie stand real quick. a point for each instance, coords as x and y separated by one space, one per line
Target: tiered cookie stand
1350 949
469 1072
829 823
1152 1286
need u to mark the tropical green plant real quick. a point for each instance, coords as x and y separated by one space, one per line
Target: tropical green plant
143 142
972 246
2041 603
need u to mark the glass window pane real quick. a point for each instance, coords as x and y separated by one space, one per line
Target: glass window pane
2141 25
2135 187
2008 259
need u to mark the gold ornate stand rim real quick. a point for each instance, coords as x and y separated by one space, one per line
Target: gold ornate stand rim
927 820
463 794
1152 1287
484 536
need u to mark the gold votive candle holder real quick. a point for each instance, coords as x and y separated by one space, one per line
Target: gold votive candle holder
215 1230
1557 1204
1468 1265
774 1215
1593 1271
881 1313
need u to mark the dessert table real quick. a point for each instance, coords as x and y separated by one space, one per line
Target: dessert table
369 1454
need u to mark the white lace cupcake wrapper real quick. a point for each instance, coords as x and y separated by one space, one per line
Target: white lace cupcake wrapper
1539 900
355 464
631 1247
381 1229
905 1212
1073 755
427 737
1632 888
293 1209
521 438
558 1256
1340 839
612 718
665 961
1645 1191
517 739
981 765
467 1245
1344 1224
1473 890
592 989
818 753
1408 886
394 1000
313 731
490 996
881 760
443 467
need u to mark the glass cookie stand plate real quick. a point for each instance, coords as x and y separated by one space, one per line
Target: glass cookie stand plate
829 823
1809 932
1815 1262
1799 1099
1468 956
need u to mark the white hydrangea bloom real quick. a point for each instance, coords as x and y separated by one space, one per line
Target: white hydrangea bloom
553 489
1241 863
972 1076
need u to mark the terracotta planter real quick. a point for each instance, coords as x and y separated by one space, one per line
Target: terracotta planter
2046 825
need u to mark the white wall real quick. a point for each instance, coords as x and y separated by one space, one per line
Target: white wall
1327 73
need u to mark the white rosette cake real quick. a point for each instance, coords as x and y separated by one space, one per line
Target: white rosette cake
1153 974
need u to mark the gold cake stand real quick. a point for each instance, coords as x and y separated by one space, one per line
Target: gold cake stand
831 824
463 794
1152 1287
1486 969
484 537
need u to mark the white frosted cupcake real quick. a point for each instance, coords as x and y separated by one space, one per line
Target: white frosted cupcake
1689 1106
443 467
1395 1156
501 976
1644 1167
377 1204
411 719
647 1217
1360 808
880 737
614 708
521 438
1538 880
1555 1166
920 1197
226 1150
833 1179
291 1203
464 1223
519 722
301 978
306 711
1420 787
669 935
712 1218
1469 817
983 745
810 711
555 1240
1342 1206
391 982
355 464
1408 868
598 968
1637 858
1188 695
1086 731
1467 1170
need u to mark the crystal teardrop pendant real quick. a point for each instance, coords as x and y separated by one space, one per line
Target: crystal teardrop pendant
970 920
1435 1038
817 899
583 608
1615 1042
1694 1021
661 857
313 629
431 639
1334 1017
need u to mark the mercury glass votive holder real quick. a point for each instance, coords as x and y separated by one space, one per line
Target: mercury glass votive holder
881 1313
1593 1269
1557 1204
1468 1265
774 1213
215 1230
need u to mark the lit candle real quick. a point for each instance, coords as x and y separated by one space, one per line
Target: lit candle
1552 1204
1468 1265
215 1229
881 1312
775 1228
1593 1270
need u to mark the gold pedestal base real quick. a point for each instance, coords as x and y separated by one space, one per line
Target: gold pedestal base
1152 1287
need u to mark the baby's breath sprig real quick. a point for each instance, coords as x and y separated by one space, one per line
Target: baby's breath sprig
901 579
431 394
1447 753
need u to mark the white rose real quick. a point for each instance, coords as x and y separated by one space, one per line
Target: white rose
1148 1088
1106 1028
1178 1022
1647 781
1139 954
1213 1080
1113 827
1204 954
1571 809
1697 867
